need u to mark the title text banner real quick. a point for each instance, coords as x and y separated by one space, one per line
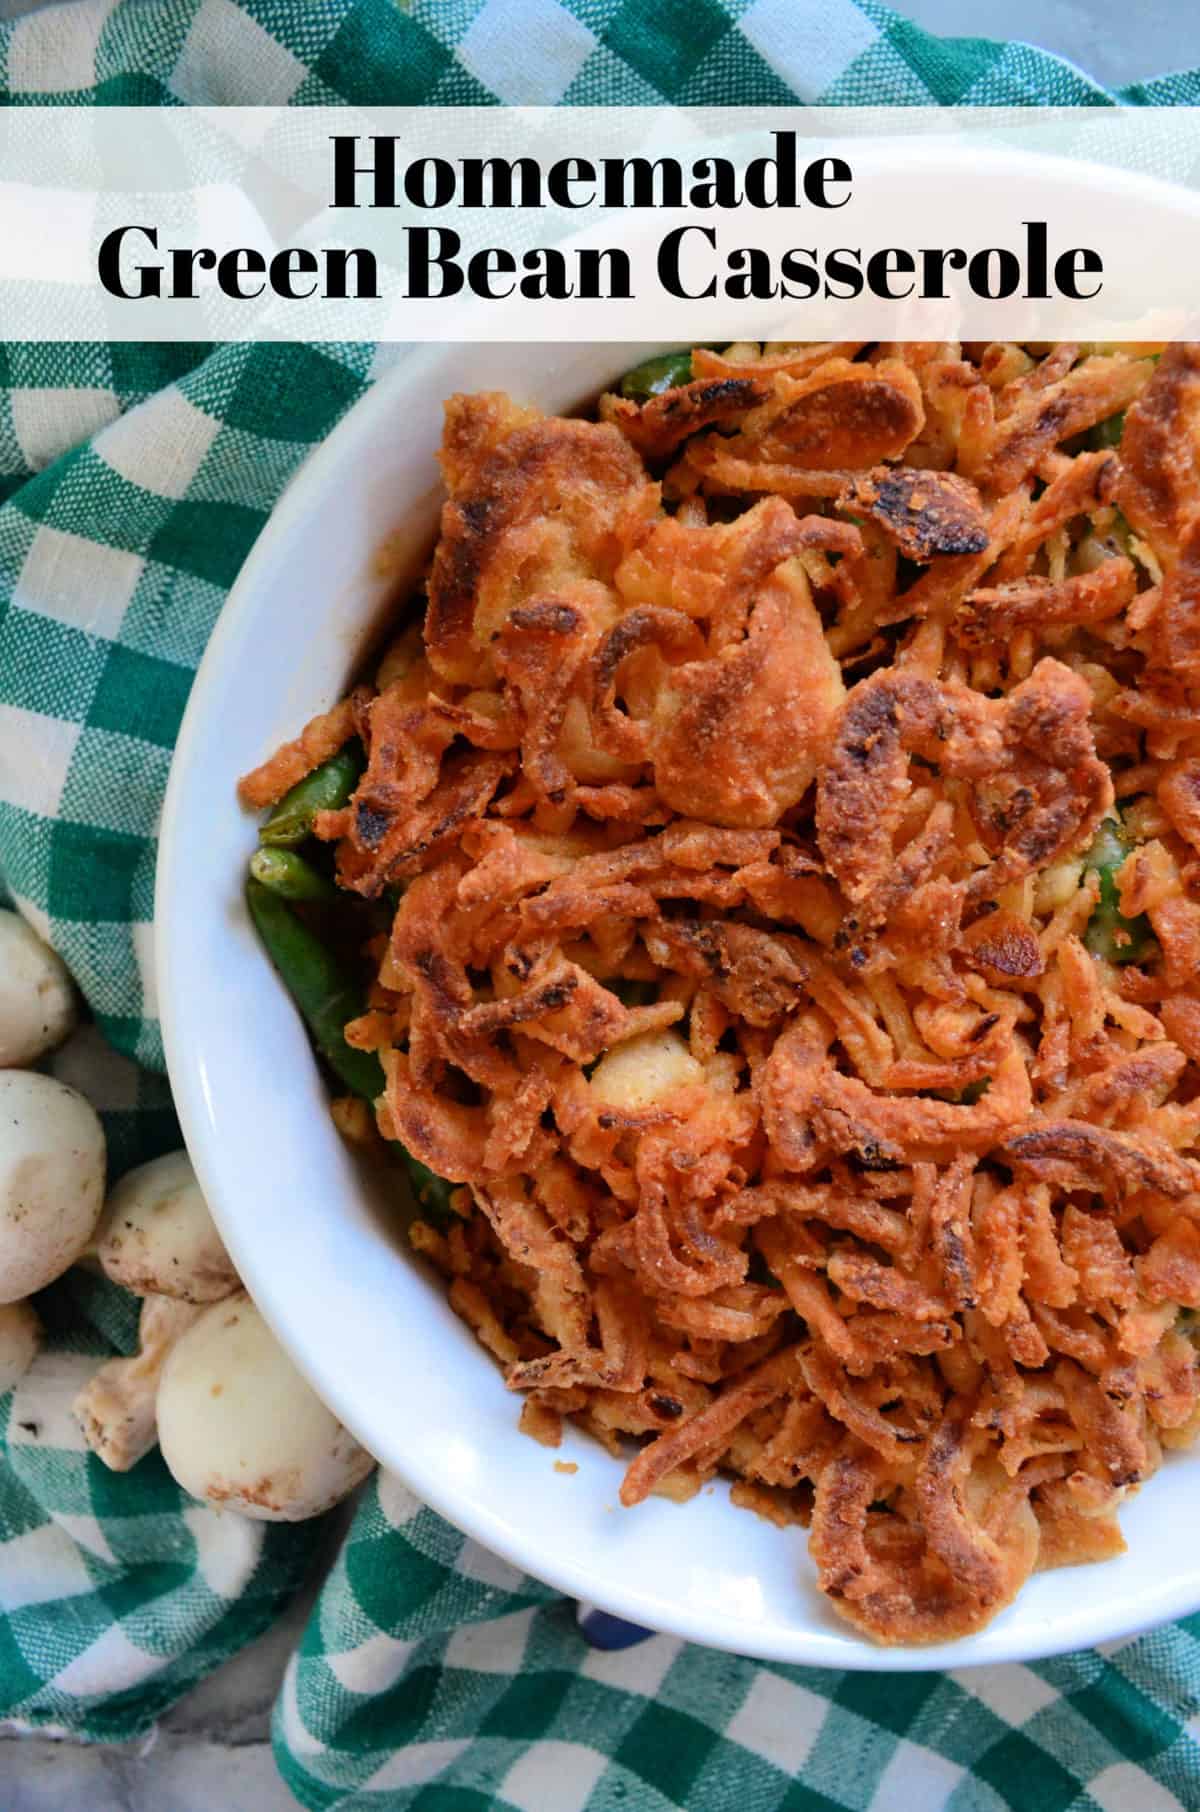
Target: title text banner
653 225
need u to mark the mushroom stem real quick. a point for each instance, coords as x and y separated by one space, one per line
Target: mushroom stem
116 1408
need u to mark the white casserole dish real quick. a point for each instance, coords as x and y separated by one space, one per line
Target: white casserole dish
312 1236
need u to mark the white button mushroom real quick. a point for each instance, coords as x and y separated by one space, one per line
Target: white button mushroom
20 1338
51 1180
635 1075
37 998
116 1407
239 1427
158 1239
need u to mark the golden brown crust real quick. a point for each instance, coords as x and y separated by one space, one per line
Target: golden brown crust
741 964
657 427
925 513
1160 451
1034 749
541 506
320 738
737 739
1179 617
1047 414
990 613
833 420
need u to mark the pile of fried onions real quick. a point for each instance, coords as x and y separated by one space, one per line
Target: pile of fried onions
734 795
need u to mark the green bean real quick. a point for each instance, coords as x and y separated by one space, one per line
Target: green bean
327 999
1109 933
1107 433
324 790
326 996
290 876
654 376
431 1191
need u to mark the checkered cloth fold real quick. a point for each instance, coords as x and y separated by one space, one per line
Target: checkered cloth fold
133 480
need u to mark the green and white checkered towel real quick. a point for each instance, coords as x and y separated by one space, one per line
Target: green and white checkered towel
133 480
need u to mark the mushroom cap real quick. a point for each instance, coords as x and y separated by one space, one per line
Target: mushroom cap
157 1237
239 1427
51 1180
639 1072
37 997
20 1338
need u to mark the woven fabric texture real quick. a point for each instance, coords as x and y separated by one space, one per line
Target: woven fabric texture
133 481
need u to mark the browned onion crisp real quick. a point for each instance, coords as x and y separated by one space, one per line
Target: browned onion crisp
793 806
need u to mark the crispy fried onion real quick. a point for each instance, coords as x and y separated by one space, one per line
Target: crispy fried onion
820 1112
925 513
734 737
1038 786
955 1546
